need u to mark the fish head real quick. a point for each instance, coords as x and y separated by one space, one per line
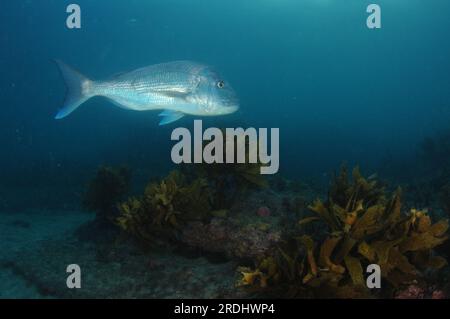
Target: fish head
214 95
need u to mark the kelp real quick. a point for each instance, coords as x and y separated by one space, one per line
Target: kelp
368 228
229 180
266 273
364 227
347 193
165 205
106 189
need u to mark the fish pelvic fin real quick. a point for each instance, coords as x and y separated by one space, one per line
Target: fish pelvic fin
169 117
79 89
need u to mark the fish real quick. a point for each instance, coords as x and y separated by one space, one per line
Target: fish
177 89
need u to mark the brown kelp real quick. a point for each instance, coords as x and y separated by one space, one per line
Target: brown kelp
364 227
229 180
165 206
106 189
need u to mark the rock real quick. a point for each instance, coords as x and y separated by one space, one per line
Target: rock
263 211
221 236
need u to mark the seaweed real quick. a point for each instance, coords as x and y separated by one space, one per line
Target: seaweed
106 190
364 227
165 206
229 180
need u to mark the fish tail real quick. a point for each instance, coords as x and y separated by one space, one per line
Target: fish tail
79 89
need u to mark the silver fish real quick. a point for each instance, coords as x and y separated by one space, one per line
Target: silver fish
178 88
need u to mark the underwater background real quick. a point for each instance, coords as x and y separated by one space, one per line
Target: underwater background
338 91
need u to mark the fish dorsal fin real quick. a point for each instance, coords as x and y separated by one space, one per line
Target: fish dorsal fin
169 117
118 74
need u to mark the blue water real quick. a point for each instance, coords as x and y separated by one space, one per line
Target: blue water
338 91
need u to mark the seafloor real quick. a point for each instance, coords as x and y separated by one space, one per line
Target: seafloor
37 246
204 260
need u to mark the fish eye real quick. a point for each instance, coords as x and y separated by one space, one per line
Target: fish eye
220 84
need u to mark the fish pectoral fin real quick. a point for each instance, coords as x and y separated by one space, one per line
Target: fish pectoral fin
175 94
170 117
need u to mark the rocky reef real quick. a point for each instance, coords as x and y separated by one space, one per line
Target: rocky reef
362 226
266 237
